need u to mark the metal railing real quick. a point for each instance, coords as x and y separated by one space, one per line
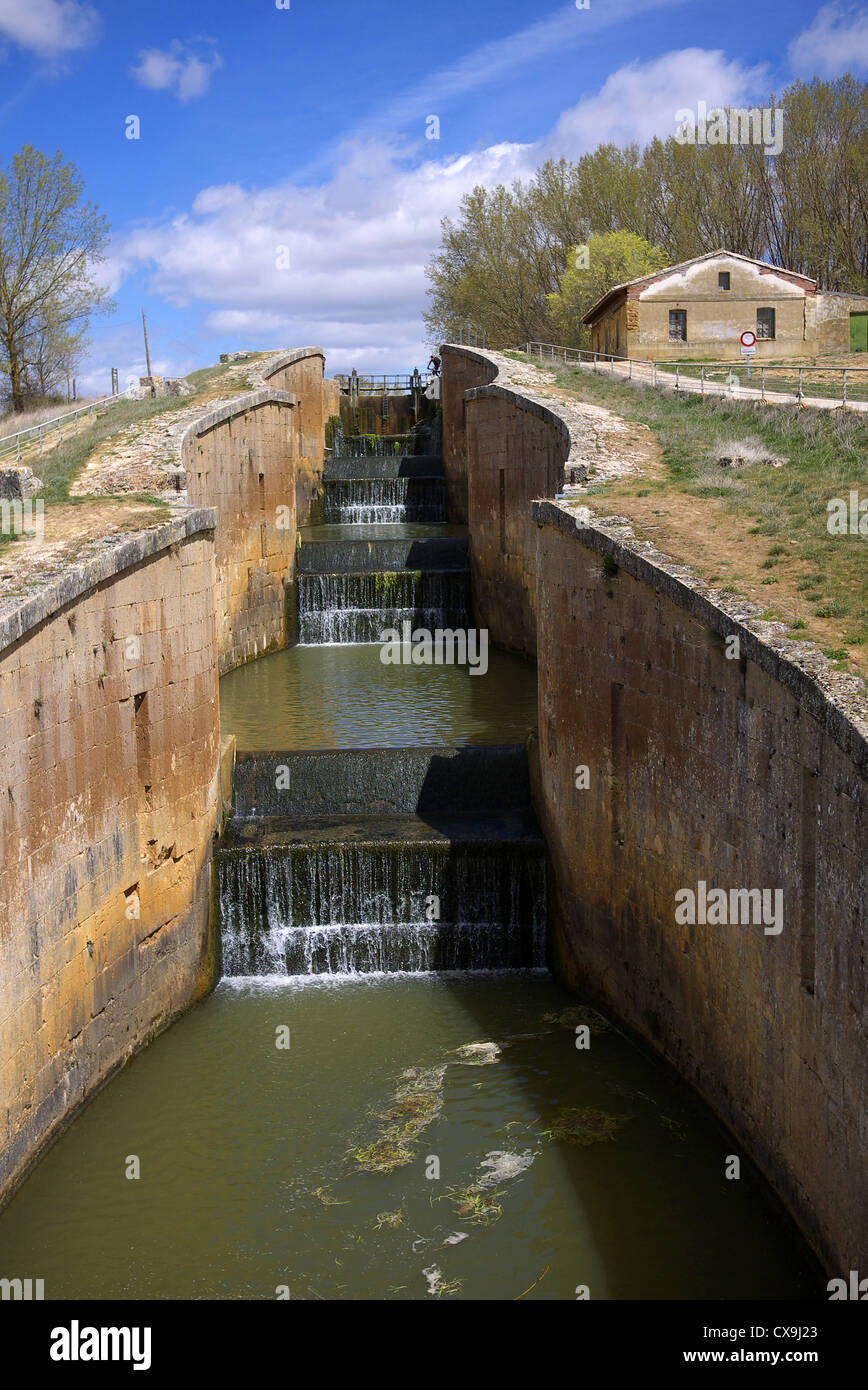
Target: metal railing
33 441
780 382
467 334
388 384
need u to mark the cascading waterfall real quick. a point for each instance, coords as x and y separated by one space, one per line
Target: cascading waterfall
358 607
368 445
379 501
344 908
383 891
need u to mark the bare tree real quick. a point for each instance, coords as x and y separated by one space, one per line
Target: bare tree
51 242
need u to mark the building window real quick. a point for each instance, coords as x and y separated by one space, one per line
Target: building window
723 279
678 325
765 323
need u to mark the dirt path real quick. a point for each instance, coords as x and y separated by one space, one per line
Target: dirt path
67 529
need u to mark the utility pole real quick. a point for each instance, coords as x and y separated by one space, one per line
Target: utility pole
147 353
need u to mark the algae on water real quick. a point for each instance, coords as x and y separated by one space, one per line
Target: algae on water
585 1126
478 1201
392 1219
480 1208
480 1054
415 1104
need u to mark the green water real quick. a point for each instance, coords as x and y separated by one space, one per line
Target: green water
248 1183
344 697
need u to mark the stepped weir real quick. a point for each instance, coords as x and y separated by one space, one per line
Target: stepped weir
381 860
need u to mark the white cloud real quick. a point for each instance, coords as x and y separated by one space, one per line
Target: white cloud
49 27
836 42
640 100
177 69
357 248
359 241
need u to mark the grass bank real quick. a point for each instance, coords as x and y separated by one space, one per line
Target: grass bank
757 524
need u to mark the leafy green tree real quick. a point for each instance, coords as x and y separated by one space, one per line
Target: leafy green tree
605 260
502 262
489 271
51 242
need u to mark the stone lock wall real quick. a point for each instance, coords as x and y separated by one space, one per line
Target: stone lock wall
743 773
109 745
258 460
500 451
113 787
736 773
513 454
462 369
301 373
241 459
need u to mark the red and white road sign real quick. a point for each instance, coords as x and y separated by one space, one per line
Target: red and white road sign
748 338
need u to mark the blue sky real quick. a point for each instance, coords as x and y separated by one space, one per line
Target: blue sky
282 190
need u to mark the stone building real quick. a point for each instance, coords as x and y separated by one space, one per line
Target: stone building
698 310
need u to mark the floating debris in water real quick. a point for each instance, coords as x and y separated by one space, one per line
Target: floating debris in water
438 1287
477 1202
580 1015
480 1054
414 1106
326 1198
585 1126
479 1208
392 1219
456 1238
503 1167
537 1280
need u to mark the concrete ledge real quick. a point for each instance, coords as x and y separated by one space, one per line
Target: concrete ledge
390 466
381 781
376 556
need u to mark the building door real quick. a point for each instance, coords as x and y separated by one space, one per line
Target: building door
859 332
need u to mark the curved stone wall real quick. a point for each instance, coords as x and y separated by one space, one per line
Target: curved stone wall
665 763
110 741
301 373
241 458
109 744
